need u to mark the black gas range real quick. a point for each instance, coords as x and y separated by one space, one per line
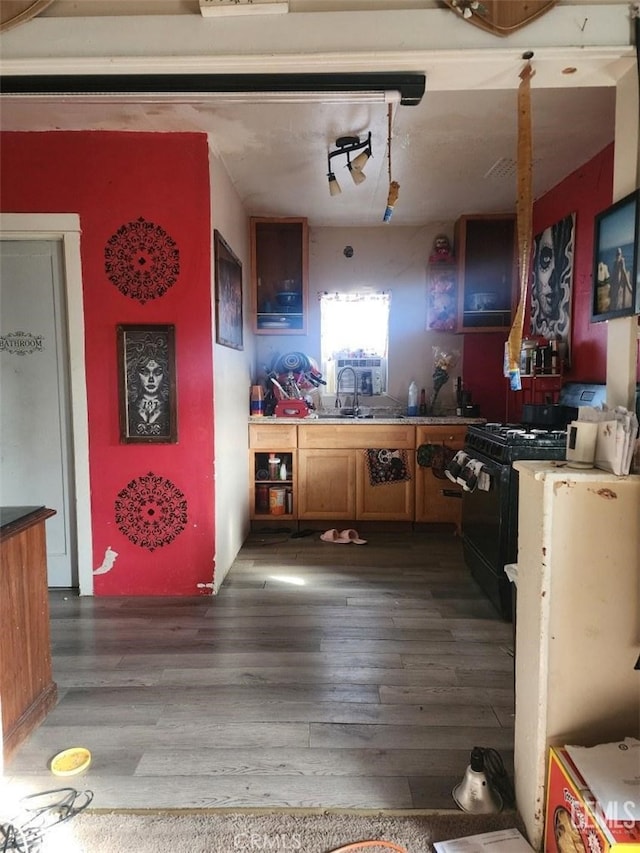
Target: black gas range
508 442
490 515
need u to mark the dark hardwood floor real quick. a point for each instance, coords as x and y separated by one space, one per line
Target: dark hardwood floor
321 676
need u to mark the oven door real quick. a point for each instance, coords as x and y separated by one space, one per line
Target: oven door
490 532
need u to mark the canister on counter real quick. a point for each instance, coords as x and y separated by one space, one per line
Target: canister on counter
274 467
277 500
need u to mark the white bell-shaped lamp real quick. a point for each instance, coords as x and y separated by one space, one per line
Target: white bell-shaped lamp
361 160
474 794
334 186
356 174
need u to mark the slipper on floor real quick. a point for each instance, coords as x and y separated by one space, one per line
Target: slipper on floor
352 535
333 536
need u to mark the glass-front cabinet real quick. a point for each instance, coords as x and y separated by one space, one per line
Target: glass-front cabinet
279 275
487 272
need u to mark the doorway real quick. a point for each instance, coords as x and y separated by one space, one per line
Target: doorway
44 409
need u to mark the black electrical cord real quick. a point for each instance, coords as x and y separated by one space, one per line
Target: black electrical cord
497 776
25 832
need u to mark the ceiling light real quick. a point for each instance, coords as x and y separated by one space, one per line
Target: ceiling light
360 161
346 146
357 175
334 186
406 88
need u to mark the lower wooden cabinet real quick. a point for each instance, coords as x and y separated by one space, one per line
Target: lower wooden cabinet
388 502
273 472
334 475
327 483
26 681
438 501
328 478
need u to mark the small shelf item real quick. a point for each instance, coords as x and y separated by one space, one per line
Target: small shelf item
279 273
273 484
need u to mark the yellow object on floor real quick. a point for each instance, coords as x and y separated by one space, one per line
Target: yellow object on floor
70 761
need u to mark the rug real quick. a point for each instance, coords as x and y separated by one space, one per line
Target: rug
282 831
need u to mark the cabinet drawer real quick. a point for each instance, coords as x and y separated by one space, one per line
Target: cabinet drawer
445 434
330 436
272 436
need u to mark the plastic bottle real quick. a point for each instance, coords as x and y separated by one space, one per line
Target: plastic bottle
283 471
412 403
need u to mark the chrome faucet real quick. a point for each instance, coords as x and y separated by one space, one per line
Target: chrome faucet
356 402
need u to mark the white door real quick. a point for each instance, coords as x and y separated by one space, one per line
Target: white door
35 431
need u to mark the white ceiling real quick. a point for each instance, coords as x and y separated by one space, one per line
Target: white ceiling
454 153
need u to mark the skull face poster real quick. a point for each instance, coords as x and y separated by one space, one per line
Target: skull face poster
551 285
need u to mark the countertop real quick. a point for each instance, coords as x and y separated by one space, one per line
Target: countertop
561 471
13 519
446 420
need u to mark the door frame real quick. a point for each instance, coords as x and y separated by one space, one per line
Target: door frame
65 228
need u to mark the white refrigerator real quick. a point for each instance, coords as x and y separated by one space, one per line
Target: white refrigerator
577 619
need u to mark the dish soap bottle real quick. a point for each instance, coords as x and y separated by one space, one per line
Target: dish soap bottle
412 402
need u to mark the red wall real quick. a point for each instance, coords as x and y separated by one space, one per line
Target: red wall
586 192
111 179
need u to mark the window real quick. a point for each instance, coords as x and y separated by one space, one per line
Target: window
354 331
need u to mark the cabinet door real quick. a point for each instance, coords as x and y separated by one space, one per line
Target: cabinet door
487 271
279 274
385 501
438 500
327 482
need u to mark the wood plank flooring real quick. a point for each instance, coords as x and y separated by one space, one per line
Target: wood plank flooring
321 676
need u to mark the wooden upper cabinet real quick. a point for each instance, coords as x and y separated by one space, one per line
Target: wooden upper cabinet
486 248
279 275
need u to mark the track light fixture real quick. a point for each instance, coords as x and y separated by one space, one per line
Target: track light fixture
348 145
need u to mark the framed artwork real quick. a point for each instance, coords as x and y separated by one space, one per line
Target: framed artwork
442 297
147 384
228 294
615 291
552 283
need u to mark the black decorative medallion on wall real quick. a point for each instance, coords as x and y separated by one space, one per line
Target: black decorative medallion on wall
142 260
151 511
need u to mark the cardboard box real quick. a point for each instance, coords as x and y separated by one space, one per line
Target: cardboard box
501 841
574 823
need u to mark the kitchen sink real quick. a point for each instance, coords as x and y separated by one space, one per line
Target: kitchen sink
361 417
